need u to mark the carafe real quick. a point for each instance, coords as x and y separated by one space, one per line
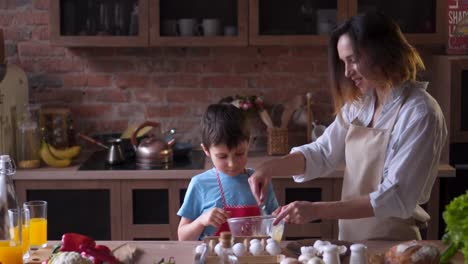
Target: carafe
28 139
11 251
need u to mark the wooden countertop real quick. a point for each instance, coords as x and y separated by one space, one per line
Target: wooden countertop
72 172
182 252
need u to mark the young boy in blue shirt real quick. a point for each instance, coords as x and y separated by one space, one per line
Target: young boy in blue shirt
223 191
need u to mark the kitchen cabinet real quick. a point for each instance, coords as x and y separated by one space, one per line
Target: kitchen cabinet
150 208
99 23
87 207
422 21
236 22
198 23
307 22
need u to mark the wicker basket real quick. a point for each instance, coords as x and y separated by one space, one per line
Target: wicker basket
277 142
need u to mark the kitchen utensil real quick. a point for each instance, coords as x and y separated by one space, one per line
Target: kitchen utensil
92 140
289 108
152 151
115 155
182 149
310 117
265 117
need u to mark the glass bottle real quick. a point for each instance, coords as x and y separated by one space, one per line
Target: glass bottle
227 256
28 139
10 250
358 254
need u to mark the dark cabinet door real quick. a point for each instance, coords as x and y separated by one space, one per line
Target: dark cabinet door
91 208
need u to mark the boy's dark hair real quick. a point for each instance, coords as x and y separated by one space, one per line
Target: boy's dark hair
224 124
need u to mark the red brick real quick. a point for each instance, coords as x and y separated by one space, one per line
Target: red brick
40 33
29 17
296 66
272 81
6 19
175 80
175 52
247 66
133 80
57 95
218 66
194 66
75 80
58 65
41 4
130 111
309 52
113 66
16 34
274 51
39 49
92 111
188 95
177 111
270 66
28 65
101 80
149 95
108 96
196 52
235 52
102 125
224 81
93 52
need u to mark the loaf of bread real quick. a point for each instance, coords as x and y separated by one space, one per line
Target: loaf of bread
413 252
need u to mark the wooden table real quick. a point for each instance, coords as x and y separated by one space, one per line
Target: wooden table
183 251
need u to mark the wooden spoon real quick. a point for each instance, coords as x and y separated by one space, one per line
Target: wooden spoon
289 108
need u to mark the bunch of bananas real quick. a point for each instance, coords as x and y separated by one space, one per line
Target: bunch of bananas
58 158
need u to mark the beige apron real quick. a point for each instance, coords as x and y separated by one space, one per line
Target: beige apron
365 155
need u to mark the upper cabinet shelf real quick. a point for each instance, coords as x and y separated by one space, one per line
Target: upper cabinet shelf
102 23
296 22
422 21
198 23
230 22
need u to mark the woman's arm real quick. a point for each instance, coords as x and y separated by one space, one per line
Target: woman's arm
290 164
300 212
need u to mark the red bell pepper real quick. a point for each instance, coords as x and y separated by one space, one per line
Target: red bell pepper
76 242
100 254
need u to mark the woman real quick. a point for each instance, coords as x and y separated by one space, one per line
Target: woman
389 131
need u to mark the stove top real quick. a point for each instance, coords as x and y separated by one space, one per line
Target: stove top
97 161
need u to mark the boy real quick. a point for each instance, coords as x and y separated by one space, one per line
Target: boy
223 191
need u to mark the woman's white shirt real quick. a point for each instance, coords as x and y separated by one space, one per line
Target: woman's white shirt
412 156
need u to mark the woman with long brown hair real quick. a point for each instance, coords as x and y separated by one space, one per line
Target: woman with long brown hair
388 131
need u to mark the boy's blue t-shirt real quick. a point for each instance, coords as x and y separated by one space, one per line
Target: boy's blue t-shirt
203 193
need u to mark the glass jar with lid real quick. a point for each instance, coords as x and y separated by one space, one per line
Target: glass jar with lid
28 138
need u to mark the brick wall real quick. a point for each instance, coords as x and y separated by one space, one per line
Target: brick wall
108 88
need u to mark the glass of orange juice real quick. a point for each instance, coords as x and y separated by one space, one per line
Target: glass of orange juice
20 235
10 253
37 223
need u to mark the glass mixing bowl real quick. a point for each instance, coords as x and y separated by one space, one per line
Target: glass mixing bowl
256 226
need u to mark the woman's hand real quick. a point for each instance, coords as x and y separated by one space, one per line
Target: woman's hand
298 212
214 217
259 181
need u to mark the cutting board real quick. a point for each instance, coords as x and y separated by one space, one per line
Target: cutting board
13 96
40 255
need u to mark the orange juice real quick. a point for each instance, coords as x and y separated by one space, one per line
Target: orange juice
10 254
38 232
25 242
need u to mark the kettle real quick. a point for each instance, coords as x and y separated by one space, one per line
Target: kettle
152 151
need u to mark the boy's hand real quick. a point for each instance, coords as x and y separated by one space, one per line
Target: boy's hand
214 217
